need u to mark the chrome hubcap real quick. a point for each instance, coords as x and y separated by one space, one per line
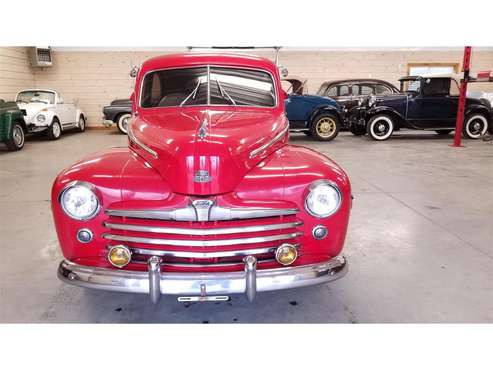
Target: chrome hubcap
56 129
381 127
18 136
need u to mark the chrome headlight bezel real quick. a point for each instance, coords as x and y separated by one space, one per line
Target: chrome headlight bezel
87 186
41 118
372 100
313 186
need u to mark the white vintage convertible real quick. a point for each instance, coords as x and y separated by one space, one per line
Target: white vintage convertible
45 110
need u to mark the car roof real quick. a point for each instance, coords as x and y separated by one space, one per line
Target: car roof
454 76
199 59
357 80
45 90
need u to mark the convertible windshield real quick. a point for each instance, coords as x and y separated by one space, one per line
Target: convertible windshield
410 86
36 96
207 86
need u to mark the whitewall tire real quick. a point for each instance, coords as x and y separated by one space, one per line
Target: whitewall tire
380 127
123 122
475 126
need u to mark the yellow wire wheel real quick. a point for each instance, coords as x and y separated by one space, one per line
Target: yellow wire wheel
325 127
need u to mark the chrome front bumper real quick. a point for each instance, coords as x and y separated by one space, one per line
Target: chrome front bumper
202 285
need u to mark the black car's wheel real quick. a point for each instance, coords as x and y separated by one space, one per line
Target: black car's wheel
357 130
16 139
54 130
123 122
380 127
443 132
475 126
81 126
325 127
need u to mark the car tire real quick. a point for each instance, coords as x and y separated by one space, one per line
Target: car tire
357 130
443 132
325 127
81 125
475 126
380 127
17 138
54 131
122 123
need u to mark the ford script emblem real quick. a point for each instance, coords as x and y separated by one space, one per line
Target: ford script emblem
202 176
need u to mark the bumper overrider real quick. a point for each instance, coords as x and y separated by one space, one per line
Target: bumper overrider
202 286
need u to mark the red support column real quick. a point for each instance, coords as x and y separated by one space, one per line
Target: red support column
462 97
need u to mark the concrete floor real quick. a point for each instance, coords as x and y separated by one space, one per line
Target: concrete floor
420 241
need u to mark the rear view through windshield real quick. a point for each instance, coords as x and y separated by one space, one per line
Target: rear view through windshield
207 86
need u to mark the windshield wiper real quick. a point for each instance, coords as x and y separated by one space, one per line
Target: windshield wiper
192 94
224 92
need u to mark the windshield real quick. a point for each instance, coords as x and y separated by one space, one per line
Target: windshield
410 86
207 86
36 96
321 90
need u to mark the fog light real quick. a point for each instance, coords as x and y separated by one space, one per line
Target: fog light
286 254
84 235
119 255
319 232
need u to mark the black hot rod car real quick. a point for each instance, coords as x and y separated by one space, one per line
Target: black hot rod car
424 103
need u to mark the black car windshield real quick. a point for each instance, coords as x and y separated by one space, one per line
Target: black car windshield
36 96
207 86
410 86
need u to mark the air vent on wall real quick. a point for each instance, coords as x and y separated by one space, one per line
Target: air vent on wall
41 56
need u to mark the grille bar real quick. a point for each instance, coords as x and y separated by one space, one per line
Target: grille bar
201 243
201 232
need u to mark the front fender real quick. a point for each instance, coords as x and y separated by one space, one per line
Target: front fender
383 110
49 114
327 109
478 108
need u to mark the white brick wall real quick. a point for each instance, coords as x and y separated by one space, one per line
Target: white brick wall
15 72
96 77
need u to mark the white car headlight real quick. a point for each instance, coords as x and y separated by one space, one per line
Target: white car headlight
79 201
372 100
323 199
41 118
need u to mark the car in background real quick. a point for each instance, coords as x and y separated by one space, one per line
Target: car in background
208 199
119 112
12 125
349 92
423 103
46 111
316 116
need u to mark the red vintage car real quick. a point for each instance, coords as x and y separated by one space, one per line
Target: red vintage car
209 199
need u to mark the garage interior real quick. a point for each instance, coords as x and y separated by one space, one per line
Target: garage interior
420 237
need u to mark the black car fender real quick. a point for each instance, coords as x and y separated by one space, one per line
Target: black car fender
478 108
327 109
384 110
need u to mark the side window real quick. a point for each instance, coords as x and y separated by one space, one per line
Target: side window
436 87
343 90
382 89
366 90
454 88
332 92
355 90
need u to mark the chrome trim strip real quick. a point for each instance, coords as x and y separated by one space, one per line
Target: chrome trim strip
217 213
201 232
201 243
199 255
202 265
132 137
189 283
264 147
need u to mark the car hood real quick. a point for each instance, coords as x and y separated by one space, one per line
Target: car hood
33 108
203 151
316 99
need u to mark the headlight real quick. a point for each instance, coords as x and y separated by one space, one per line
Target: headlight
79 201
41 118
323 199
372 100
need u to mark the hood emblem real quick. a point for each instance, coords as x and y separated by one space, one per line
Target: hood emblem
203 129
202 208
201 176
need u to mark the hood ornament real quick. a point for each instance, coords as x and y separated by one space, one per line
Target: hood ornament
203 129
